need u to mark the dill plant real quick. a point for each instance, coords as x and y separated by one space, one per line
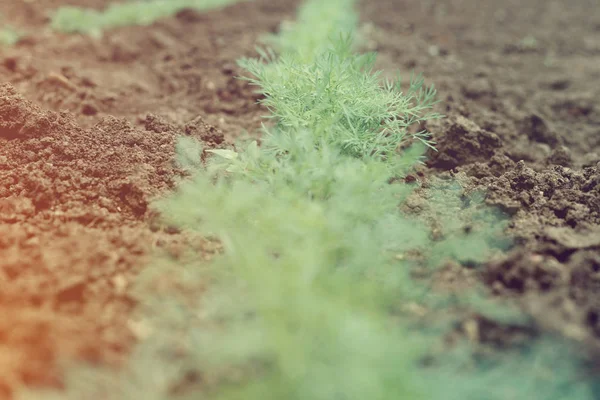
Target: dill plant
316 23
72 19
310 228
9 35
302 303
338 98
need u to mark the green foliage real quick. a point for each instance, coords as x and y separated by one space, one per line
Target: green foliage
72 19
9 36
338 98
188 153
310 228
467 230
549 369
317 25
313 266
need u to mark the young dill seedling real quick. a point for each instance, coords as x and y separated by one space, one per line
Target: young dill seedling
339 99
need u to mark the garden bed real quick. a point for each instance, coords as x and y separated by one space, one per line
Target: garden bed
88 128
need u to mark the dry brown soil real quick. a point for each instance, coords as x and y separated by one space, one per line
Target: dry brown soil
519 83
87 129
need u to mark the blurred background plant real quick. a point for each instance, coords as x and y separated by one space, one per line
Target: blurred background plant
72 19
9 35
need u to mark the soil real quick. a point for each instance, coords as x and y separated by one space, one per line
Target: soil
87 130
518 83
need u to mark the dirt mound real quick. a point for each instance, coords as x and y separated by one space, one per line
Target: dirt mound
463 142
72 205
93 176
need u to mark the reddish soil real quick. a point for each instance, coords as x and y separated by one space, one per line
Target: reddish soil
87 129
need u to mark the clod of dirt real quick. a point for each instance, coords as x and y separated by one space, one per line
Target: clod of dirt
576 107
478 88
15 209
75 174
557 83
119 50
590 159
461 141
557 196
199 129
190 15
21 119
157 124
570 239
561 156
539 130
524 271
89 109
557 222
482 330
497 165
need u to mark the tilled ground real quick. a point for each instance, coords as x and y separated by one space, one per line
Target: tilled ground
87 128
87 131
519 83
